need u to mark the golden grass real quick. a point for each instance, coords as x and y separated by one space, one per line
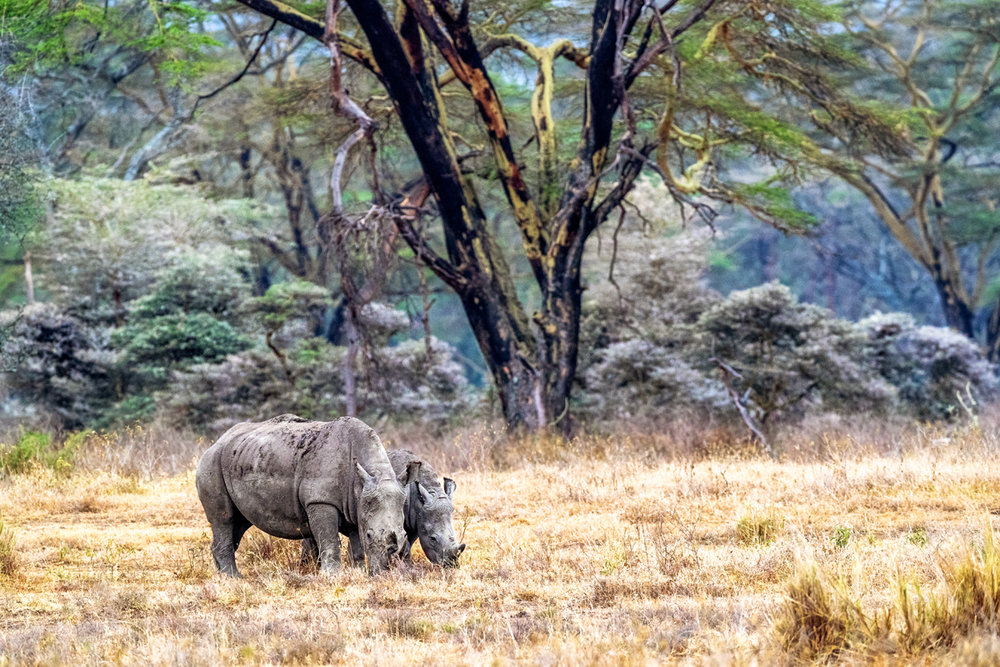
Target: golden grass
616 557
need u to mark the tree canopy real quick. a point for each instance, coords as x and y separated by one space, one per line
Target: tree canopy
473 155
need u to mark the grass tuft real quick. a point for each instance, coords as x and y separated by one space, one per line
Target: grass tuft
10 560
759 528
404 623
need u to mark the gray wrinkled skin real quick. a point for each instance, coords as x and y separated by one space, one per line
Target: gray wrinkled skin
301 479
427 512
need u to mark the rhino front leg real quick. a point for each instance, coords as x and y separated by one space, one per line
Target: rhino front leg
310 551
407 545
357 548
324 524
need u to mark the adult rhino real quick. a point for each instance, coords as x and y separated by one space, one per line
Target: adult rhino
427 512
299 479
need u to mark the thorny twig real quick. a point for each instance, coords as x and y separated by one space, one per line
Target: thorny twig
728 373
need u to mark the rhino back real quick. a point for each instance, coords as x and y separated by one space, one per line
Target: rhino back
274 469
400 458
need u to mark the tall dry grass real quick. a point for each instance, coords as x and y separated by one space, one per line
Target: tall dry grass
616 548
822 619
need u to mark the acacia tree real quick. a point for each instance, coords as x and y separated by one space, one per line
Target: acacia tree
941 61
929 71
630 70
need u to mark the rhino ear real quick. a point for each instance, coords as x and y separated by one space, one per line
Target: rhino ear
363 475
449 487
410 474
425 497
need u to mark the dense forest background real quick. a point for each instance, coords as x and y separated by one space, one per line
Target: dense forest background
793 212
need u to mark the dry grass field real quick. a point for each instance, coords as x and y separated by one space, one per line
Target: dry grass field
602 553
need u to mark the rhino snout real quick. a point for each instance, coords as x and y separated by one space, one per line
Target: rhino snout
452 558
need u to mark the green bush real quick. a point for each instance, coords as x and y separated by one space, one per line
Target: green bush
35 448
28 449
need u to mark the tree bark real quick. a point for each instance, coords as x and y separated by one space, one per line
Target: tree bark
29 280
958 313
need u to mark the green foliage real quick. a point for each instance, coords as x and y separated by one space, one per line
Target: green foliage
133 409
155 345
288 300
198 283
111 243
776 203
20 191
917 536
50 35
22 454
36 448
841 536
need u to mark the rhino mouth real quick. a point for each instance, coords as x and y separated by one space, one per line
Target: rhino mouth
451 560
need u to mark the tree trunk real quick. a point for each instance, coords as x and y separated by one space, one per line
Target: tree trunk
508 358
993 334
349 372
957 313
29 279
560 325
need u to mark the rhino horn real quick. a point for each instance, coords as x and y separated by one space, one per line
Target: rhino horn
366 478
425 496
410 474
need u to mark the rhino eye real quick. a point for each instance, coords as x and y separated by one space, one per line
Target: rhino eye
434 538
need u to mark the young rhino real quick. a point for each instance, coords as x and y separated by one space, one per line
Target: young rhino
427 512
301 479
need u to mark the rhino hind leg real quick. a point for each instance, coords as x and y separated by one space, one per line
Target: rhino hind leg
226 536
324 524
228 525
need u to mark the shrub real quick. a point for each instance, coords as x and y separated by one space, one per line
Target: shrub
790 355
33 448
398 380
62 366
637 377
841 536
930 366
25 452
635 352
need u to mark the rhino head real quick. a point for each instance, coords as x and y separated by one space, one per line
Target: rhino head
380 515
434 527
